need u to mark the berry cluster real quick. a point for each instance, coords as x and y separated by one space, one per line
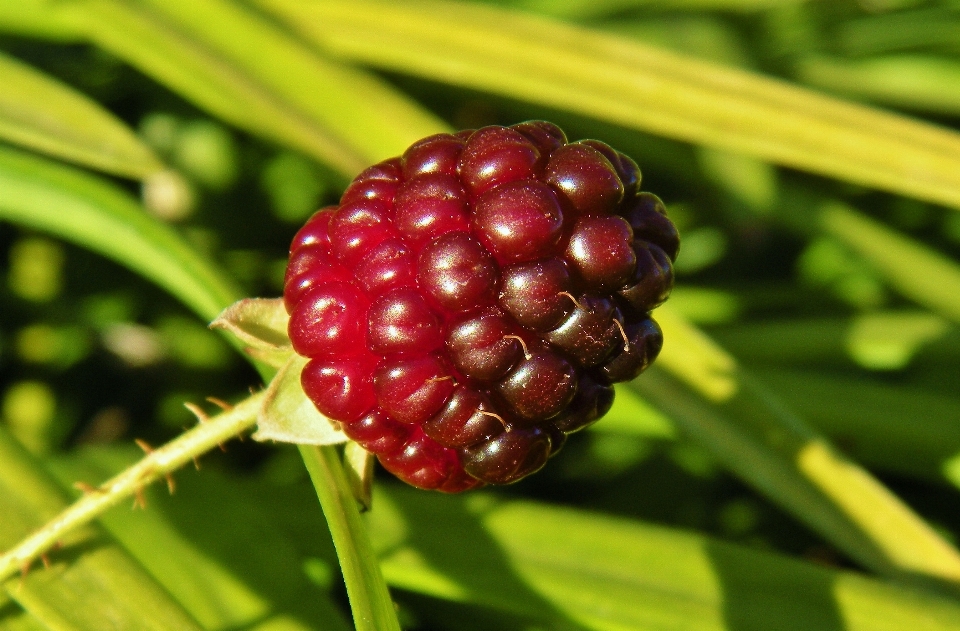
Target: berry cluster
470 303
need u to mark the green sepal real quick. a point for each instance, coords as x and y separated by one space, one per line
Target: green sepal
261 326
288 416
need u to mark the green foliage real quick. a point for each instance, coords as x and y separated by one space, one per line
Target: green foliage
804 407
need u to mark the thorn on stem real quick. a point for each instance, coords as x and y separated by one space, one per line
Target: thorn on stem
85 488
139 499
202 417
197 411
220 403
45 559
144 445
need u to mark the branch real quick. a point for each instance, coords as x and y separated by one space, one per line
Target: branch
158 463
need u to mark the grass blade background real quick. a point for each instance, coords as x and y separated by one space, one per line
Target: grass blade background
40 113
574 570
235 576
43 195
249 73
725 410
646 88
92 586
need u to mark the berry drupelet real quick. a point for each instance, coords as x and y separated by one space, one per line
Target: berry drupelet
470 303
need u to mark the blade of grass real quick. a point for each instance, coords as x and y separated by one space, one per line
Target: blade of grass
574 570
85 210
373 610
917 82
372 117
13 618
718 404
628 83
33 18
41 113
159 49
585 9
920 29
92 586
896 428
916 271
251 74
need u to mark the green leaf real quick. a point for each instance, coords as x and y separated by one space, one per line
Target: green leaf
585 9
723 408
288 416
34 18
919 82
892 427
41 113
13 618
574 570
251 74
88 211
916 271
638 86
92 584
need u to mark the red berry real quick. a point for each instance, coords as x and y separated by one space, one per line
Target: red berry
457 273
430 205
401 321
496 155
433 154
469 304
585 178
601 253
519 221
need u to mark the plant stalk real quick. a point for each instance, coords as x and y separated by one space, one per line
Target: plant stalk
157 464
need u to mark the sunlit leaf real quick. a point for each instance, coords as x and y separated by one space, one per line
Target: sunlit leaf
919 82
718 404
575 570
41 113
92 213
253 75
93 584
638 86
915 270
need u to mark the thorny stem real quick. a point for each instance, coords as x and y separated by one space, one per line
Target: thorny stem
158 463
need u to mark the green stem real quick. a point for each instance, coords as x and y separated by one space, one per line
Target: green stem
157 464
370 601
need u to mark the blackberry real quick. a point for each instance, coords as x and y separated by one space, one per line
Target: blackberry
470 303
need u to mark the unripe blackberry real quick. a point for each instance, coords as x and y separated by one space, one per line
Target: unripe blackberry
470 303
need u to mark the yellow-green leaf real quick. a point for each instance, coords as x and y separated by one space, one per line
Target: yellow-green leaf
41 113
639 86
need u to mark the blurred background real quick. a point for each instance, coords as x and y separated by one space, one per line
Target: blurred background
859 340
